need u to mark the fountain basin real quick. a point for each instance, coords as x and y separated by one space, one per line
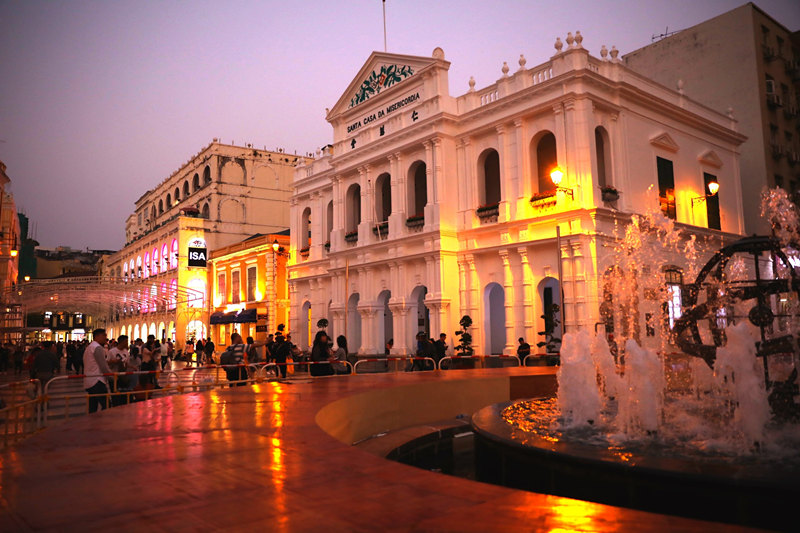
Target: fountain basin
748 494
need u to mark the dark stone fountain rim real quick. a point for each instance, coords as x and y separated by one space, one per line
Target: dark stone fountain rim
489 424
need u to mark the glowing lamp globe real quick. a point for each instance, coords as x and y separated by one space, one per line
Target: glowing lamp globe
556 175
713 187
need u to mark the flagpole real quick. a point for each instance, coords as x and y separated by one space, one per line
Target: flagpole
384 26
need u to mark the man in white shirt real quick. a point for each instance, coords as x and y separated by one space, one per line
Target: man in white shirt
94 366
118 357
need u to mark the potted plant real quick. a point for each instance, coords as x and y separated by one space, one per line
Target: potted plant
327 246
464 348
415 220
488 210
609 193
544 195
351 236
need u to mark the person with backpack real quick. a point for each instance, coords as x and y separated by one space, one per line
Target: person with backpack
235 355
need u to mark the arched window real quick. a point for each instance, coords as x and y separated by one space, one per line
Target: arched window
383 197
139 266
305 230
174 259
489 177
173 294
153 214
544 159
196 183
164 258
147 264
162 295
185 189
328 222
197 293
161 207
206 176
156 264
169 201
132 270
353 208
603 154
417 189
125 272
177 195
206 213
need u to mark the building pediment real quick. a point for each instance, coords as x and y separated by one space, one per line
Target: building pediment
381 73
665 141
711 159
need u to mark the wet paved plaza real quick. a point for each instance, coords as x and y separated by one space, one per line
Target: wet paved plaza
256 458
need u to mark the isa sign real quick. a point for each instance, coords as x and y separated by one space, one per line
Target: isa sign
197 257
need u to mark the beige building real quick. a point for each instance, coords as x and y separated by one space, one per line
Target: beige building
746 64
220 196
429 206
251 294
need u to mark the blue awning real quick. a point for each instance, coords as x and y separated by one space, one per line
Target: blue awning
234 317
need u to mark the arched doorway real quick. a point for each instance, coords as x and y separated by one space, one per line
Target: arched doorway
385 326
550 303
196 329
544 158
353 324
162 332
494 319
171 331
419 317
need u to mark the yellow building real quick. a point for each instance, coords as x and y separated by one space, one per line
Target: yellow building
10 311
251 293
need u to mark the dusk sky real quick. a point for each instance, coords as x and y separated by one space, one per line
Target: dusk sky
100 101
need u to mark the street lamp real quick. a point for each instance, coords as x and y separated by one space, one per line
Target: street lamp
556 175
27 278
712 187
275 246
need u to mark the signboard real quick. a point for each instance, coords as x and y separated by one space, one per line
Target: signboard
197 253
261 329
262 316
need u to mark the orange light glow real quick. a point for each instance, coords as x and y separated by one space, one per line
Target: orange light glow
557 174
713 187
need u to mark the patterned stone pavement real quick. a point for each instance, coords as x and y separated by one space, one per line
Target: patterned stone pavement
254 458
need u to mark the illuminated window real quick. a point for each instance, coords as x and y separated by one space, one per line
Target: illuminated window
139 267
125 272
222 288
666 187
164 258
197 294
173 294
147 265
174 258
155 261
236 295
674 281
251 284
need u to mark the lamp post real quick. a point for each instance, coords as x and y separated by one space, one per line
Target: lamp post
556 175
712 188
275 249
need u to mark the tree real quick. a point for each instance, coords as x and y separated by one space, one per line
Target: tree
465 339
551 343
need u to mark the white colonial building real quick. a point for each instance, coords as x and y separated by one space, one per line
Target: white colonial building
428 206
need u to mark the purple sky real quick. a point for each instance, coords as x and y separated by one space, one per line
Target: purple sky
100 101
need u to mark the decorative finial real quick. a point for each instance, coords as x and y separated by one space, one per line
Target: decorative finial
522 62
614 53
730 113
438 53
604 53
559 45
578 39
570 40
505 69
680 86
471 84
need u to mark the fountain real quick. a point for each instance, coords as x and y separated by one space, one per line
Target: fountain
707 432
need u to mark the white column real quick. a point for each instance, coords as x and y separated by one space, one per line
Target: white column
507 185
508 301
528 298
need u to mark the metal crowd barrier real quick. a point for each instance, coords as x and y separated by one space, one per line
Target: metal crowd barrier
410 363
454 361
539 358
20 410
301 364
